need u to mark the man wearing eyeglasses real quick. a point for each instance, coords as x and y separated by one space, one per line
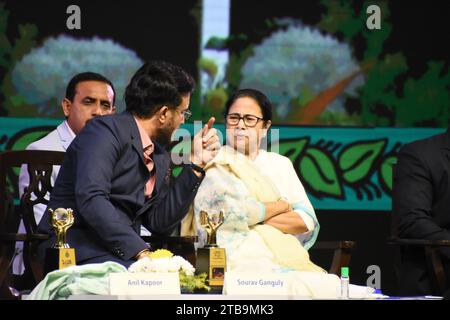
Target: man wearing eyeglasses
116 174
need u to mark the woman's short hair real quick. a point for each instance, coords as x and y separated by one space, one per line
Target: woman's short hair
259 97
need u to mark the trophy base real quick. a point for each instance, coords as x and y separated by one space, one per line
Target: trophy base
212 261
59 258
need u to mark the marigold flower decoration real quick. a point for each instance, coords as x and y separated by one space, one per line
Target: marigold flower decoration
161 253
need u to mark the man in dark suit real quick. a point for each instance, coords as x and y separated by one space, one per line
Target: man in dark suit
116 172
421 207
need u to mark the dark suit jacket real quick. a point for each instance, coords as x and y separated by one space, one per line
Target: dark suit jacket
421 206
102 179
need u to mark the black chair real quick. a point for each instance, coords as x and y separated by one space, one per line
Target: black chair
40 166
433 259
435 267
342 252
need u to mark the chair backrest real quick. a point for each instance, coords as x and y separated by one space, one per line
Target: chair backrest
40 166
430 249
342 252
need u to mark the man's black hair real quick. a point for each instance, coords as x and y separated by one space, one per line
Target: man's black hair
157 84
87 76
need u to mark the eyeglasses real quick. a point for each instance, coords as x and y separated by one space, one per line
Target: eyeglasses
186 114
249 119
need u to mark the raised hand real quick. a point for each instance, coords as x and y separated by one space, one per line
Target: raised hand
206 144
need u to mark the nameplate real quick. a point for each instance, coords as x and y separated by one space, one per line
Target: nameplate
66 257
256 283
128 283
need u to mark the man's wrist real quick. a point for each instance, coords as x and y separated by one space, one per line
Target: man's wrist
196 162
197 168
142 254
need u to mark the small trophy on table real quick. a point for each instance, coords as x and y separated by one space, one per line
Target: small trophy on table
211 259
61 255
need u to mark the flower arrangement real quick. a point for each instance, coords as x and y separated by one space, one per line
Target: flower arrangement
163 260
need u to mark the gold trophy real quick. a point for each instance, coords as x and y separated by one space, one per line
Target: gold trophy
61 255
211 259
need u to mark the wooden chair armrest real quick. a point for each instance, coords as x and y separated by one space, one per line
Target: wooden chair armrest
419 242
332 245
13 237
433 259
341 256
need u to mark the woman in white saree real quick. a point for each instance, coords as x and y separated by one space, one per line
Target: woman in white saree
269 222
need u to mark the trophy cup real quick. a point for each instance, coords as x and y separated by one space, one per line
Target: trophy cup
211 259
60 256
